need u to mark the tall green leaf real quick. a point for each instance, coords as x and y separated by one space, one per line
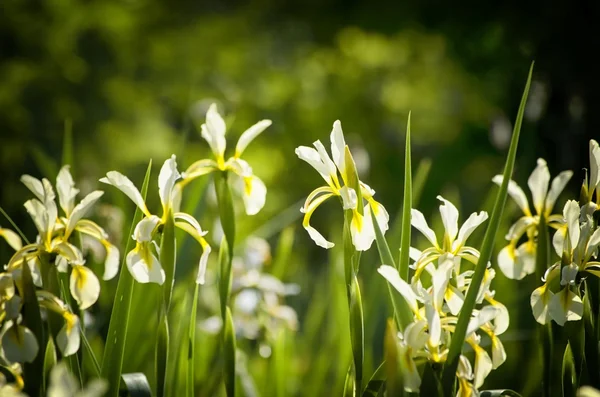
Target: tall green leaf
114 349
459 335
162 355
229 347
191 346
406 207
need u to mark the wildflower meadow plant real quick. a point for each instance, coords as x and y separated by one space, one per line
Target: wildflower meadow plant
446 330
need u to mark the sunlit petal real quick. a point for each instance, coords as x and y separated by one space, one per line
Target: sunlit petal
65 187
362 232
111 263
329 164
516 193
144 266
538 185
338 144
449 218
125 185
199 168
418 221
393 277
468 227
254 196
84 286
556 188
594 165
571 215
166 180
516 263
440 279
312 157
213 131
381 214
34 185
483 316
144 230
81 209
11 238
249 135
483 366
558 240
349 198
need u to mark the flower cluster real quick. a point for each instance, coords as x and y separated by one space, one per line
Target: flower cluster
515 261
141 261
435 295
259 311
576 242
213 131
53 252
361 229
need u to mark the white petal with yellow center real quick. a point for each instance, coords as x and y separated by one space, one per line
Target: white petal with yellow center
312 232
68 338
81 209
65 187
540 298
166 181
84 286
144 266
565 306
338 145
11 238
362 232
192 227
312 157
144 230
467 228
594 165
483 366
349 198
381 214
449 215
571 215
516 263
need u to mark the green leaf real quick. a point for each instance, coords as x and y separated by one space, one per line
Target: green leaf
192 345
168 260
229 347
357 332
591 344
114 349
280 363
162 355
459 335
137 384
224 275
32 319
226 212
569 378
90 353
402 312
353 179
49 362
376 383
406 207
349 385
284 251
394 382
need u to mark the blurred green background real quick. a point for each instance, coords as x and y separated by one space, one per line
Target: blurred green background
134 78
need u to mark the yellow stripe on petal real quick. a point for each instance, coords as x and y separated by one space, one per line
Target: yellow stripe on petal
84 286
313 233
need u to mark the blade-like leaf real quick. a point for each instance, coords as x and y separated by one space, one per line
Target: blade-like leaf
376 383
32 319
229 353
569 378
14 225
406 206
49 362
486 252
394 385
192 345
112 361
357 332
162 355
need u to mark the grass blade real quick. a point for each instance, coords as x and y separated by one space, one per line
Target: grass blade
486 252
406 207
192 345
229 346
394 385
162 355
112 361
49 362
14 225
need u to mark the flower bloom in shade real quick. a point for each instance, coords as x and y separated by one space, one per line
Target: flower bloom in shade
141 261
63 383
55 231
592 180
435 296
213 131
361 227
516 261
576 242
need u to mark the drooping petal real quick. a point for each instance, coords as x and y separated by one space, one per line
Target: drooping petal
381 214
483 316
440 279
565 306
502 319
144 266
411 380
68 338
84 286
312 232
111 263
483 366
19 344
38 213
538 185
65 187
166 181
81 209
249 135
213 131
592 244
338 145
255 194
362 232
11 238
520 227
498 352
467 228
125 185
192 227
329 164
556 188
454 299
571 215
569 274
393 277
418 221
516 193
434 327
415 335
449 218
558 240
70 252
